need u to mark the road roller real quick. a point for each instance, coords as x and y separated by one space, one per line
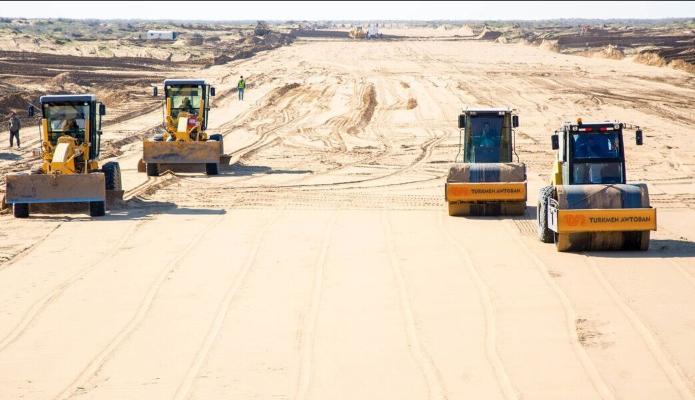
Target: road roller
69 173
588 204
484 180
185 144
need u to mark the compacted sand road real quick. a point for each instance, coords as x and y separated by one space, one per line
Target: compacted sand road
322 264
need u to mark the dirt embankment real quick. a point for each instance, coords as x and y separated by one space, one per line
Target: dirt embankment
247 47
656 45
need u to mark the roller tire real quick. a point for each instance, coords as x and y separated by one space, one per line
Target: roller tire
211 169
216 137
112 176
152 169
20 210
97 209
545 235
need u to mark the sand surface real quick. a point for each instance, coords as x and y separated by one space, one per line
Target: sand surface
323 265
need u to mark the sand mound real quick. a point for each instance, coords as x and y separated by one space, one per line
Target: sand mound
612 52
65 78
464 30
650 58
487 34
551 45
412 103
683 66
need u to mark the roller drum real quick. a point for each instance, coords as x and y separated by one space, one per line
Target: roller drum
619 196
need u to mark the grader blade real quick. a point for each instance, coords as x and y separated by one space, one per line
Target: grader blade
182 152
40 188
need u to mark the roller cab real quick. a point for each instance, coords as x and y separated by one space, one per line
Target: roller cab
185 145
484 180
69 173
589 206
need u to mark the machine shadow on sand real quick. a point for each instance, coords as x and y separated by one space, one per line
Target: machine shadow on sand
248 170
10 156
659 249
135 209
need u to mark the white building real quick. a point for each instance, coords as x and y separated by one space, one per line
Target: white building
162 35
373 31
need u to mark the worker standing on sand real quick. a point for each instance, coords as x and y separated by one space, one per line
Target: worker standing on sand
241 86
14 129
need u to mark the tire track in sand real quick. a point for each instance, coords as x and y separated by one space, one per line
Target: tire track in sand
505 384
307 355
667 364
43 302
184 390
95 365
592 372
432 376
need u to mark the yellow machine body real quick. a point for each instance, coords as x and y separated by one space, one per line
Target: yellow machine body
185 145
69 171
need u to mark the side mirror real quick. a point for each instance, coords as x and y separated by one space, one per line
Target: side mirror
462 121
102 109
638 137
30 111
212 91
555 141
515 121
155 92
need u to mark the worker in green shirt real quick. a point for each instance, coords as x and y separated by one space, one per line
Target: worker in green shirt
241 86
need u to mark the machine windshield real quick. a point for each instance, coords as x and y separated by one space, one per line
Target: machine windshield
185 99
596 145
606 173
485 139
66 119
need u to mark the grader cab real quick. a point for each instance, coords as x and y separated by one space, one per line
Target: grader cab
485 180
185 140
589 205
69 171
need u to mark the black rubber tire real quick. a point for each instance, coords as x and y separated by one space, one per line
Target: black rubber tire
112 175
97 209
20 210
158 137
545 235
216 137
211 169
152 169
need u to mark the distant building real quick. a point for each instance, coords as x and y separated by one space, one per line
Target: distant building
162 35
373 31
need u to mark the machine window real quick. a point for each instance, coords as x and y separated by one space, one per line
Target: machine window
605 173
66 119
596 145
185 99
485 139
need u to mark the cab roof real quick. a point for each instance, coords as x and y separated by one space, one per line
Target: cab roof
176 82
594 123
67 98
485 110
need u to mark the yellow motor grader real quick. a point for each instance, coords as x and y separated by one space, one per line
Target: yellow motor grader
485 181
589 205
69 171
185 140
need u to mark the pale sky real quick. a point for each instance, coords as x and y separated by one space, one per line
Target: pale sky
348 10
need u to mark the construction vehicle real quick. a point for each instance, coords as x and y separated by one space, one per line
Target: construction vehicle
484 180
185 140
357 33
588 204
69 172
